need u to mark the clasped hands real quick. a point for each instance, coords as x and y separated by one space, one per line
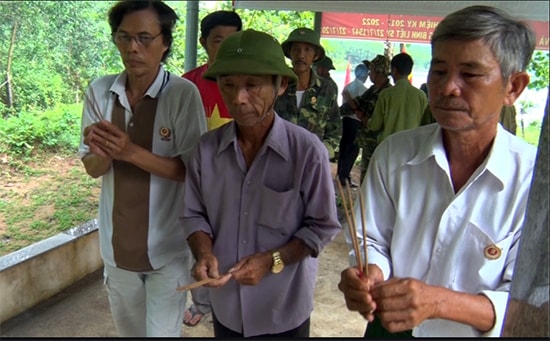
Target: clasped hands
106 140
399 303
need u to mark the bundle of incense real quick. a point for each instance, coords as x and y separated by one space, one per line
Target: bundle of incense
196 284
350 219
95 109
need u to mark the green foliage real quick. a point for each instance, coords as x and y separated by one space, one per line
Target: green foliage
53 130
58 48
539 69
530 132
61 46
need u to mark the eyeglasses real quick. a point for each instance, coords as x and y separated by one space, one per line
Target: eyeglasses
142 39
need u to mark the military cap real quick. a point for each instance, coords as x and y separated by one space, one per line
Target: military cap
380 64
249 52
303 35
326 62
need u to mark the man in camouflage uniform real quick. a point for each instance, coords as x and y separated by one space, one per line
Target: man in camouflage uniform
311 101
323 67
363 106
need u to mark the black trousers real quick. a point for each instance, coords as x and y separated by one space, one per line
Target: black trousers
376 331
220 331
349 149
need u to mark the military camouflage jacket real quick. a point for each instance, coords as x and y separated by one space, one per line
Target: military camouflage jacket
318 111
365 103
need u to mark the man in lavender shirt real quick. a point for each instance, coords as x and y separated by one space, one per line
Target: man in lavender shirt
259 199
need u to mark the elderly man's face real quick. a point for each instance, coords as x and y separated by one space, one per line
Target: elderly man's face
302 56
249 97
140 59
465 86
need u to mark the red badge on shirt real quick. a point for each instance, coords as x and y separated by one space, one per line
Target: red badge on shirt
165 134
492 252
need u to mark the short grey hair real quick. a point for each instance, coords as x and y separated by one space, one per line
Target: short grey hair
512 41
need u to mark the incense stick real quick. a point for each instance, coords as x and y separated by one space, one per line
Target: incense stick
364 230
95 110
351 225
350 218
354 224
196 284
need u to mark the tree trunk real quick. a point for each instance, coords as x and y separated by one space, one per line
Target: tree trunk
9 92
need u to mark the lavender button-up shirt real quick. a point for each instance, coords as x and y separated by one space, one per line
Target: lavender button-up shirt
287 192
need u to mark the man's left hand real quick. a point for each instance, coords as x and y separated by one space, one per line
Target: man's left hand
250 270
404 303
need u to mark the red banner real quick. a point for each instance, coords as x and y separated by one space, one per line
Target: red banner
397 28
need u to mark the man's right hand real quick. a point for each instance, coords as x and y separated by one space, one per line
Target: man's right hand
206 267
356 287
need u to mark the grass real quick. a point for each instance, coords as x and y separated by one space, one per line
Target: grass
38 200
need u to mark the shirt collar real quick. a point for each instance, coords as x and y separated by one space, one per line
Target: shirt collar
276 138
163 76
314 81
498 155
229 135
433 146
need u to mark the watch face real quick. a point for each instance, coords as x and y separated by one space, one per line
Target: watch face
278 263
277 267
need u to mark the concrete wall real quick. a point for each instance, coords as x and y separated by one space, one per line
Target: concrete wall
41 270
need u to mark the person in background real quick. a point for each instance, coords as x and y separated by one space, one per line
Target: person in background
363 107
138 130
215 27
424 88
444 215
356 87
323 67
508 118
348 148
254 233
310 102
400 107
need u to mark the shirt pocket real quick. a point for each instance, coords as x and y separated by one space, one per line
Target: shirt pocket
482 260
278 217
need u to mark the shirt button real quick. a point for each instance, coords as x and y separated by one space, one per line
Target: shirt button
131 124
244 241
245 213
248 182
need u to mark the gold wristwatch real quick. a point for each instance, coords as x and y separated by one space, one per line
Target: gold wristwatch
278 263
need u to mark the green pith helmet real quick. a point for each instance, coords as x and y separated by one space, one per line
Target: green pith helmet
326 63
249 52
303 35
